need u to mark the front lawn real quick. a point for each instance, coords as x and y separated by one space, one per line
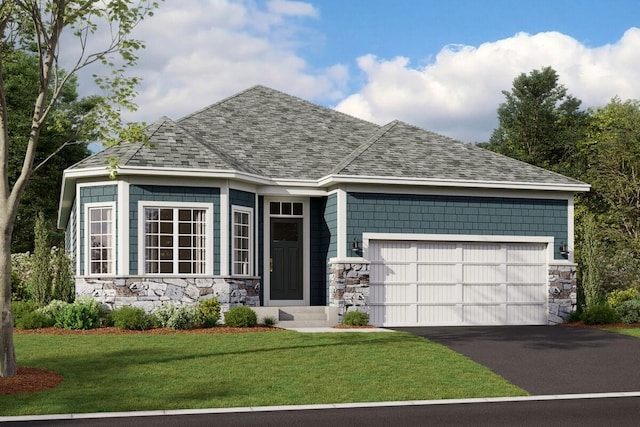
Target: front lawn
632 331
200 370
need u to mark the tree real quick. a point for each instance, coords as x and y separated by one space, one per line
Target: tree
41 193
610 160
38 25
538 122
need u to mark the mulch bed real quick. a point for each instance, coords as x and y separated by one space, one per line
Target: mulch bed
29 380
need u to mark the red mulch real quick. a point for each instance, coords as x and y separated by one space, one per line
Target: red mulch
31 380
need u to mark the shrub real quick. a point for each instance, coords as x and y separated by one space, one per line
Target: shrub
33 320
240 316
131 318
618 296
84 313
269 321
356 318
629 311
27 316
599 315
208 312
53 309
175 316
40 277
62 286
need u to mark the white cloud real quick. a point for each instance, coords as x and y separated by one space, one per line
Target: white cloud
293 8
459 92
200 54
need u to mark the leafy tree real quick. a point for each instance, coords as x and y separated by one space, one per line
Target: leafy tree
38 25
610 162
538 122
42 191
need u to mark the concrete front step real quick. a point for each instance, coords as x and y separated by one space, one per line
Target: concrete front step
300 316
286 324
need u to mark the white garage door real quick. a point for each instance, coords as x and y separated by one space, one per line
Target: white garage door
416 283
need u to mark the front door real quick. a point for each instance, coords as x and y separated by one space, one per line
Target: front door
286 259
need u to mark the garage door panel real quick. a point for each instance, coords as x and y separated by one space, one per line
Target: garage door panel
439 314
437 252
483 273
525 273
523 314
395 315
525 292
393 251
484 314
396 293
526 253
433 273
483 293
393 272
432 293
482 252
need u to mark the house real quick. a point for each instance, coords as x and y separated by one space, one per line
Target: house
268 200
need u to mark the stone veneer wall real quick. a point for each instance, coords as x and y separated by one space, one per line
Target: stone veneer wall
349 289
149 293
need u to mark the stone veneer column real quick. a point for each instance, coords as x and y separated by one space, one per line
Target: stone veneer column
562 292
349 287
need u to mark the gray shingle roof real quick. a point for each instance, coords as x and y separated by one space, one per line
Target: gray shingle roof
268 133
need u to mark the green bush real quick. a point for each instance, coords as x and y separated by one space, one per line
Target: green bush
131 318
175 316
618 296
269 321
600 314
241 316
26 315
33 320
208 312
355 318
629 311
84 313
53 309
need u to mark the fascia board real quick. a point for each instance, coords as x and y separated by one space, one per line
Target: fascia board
507 185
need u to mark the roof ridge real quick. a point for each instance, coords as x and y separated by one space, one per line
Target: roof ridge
362 148
222 101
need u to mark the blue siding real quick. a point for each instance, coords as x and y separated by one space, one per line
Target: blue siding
157 193
392 213
96 194
323 221
244 199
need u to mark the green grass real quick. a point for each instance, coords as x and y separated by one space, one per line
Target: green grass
180 371
634 332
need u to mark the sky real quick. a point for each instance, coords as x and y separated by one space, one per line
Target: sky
441 65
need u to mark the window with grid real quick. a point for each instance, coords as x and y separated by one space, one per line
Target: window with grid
174 240
242 241
101 240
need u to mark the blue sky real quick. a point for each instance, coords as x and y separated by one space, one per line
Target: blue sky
440 65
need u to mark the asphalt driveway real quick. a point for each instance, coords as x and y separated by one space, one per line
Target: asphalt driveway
547 359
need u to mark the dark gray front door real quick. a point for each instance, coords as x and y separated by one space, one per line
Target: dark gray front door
286 259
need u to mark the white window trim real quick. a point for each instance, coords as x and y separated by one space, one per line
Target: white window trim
249 211
87 240
209 246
